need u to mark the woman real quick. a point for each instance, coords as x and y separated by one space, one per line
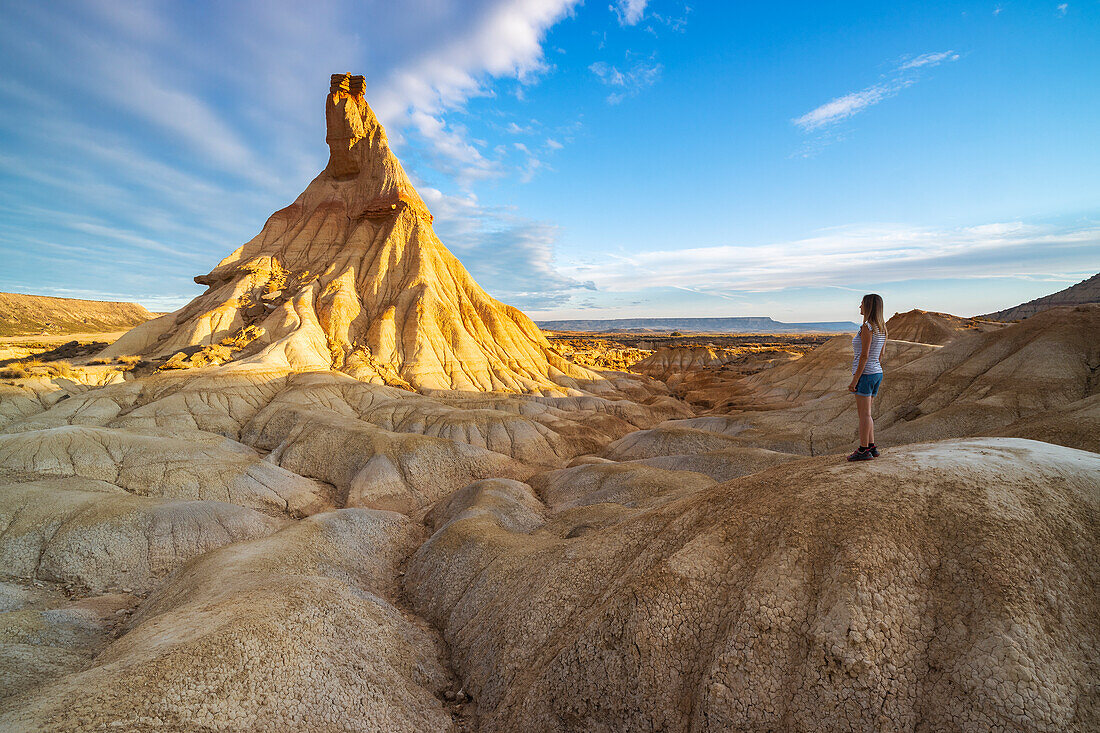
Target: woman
867 372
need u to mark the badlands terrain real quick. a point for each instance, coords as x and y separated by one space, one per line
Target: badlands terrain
346 489
39 315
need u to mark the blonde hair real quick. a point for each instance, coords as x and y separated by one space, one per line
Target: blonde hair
872 312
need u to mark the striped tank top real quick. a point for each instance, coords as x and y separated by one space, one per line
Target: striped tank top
877 340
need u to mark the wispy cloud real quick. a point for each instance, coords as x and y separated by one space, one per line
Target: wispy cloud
512 257
459 158
638 75
676 23
902 76
447 54
854 255
629 12
929 59
1062 8
850 104
423 60
201 119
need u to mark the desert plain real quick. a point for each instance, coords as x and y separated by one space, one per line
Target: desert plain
346 489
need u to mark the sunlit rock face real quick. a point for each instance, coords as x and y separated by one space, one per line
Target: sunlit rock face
928 327
352 277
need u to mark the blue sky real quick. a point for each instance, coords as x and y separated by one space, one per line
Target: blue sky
592 160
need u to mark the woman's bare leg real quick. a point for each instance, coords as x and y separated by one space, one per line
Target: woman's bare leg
866 425
870 422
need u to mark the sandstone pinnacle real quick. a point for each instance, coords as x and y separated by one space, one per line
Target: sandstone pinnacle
352 277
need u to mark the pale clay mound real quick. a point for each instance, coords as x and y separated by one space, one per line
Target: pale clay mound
97 536
290 632
272 544
949 586
292 445
352 277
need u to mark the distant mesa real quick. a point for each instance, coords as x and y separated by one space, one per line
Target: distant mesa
352 277
1086 291
39 315
750 324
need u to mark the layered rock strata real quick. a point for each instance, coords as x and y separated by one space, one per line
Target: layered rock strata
352 277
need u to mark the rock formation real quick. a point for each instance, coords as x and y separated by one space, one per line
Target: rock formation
254 524
948 586
1086 291
929 327
291 631
667 361
1037 375
30 315
352 277
597 353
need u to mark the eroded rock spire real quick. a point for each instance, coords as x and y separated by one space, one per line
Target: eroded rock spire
352 277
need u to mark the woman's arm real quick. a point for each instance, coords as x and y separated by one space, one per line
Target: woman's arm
864 352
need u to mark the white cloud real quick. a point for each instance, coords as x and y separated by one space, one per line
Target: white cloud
553 144
844 107
852 256
1062 8
447 60
180 128
929 59
629 12
607 74
269 61
510 256
841 108
641 73
460 158
676 23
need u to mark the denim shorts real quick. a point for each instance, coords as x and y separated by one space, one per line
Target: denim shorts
868 384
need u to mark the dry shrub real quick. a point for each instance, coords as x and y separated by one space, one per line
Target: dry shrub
132 360
277 280
99 362
243 338
16 371
35 367
60 369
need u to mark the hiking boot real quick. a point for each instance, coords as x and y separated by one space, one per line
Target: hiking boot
874 451
861 454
